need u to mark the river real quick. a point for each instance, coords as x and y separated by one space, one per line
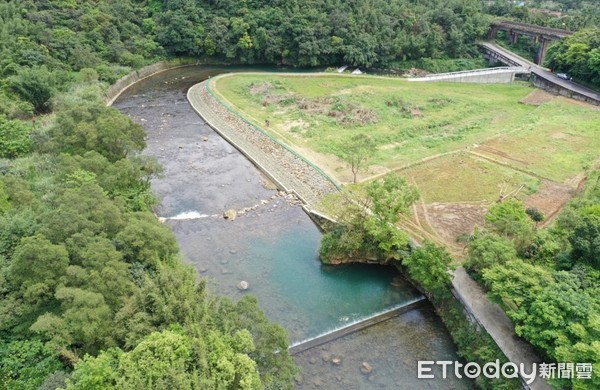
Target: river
273 246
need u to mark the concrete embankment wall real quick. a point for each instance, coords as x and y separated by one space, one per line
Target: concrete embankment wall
541 82
290 172
113 92
481 76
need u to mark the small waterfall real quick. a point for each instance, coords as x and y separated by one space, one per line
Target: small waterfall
189 215
356 325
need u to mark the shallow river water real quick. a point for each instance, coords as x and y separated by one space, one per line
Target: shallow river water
274 248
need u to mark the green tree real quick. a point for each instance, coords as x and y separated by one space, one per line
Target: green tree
487 250
95 127
15 139
85 322
510 220
367 222
37 268
516 285
356 151
24 364
35 85
429 266
585 240
145 242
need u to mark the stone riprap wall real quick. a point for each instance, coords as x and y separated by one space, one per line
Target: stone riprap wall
113 92
287 169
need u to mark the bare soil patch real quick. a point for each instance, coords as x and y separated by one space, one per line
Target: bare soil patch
550 198
260 88
537 97
450 220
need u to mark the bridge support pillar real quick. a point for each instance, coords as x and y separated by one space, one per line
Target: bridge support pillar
514 37
541 54
492 33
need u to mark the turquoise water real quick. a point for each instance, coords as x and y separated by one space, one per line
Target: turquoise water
274 248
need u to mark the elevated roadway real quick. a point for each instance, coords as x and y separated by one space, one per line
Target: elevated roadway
541 77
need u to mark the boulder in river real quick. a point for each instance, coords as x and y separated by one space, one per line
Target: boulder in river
366 368
230 214
243 285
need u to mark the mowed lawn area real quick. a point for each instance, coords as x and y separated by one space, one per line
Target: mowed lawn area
410 121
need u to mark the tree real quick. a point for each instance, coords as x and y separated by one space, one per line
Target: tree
37 268
367 222
24 364
429 265
579 55
35 85
515 285
145 242
535 214
357 151
15 139
585 240
84 324
95 127
487 250
510 220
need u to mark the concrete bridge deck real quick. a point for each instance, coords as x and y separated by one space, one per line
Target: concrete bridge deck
542 78
531 29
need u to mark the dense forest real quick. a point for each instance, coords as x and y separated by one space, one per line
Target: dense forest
92 287
93 294
547 280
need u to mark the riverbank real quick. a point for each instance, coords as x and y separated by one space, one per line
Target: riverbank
275 248
286 168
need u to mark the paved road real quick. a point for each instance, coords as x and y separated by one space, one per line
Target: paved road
496 323
543 72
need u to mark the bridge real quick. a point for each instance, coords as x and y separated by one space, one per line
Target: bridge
540 34
541 77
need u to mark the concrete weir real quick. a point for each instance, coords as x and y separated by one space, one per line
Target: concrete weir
355 326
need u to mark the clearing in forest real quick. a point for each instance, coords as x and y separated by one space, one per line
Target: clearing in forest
463 145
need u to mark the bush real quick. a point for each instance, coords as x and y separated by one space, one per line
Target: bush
15 139
36 86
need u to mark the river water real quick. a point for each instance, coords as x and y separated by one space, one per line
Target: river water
273 247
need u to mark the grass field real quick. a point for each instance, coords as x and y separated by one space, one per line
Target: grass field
438 183
496 142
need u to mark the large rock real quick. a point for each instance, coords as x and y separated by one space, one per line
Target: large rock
243 285
230 214
366 368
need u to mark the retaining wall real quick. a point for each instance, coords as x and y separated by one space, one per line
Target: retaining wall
115 90
287 169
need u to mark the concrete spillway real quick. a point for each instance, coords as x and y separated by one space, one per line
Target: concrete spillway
355 326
